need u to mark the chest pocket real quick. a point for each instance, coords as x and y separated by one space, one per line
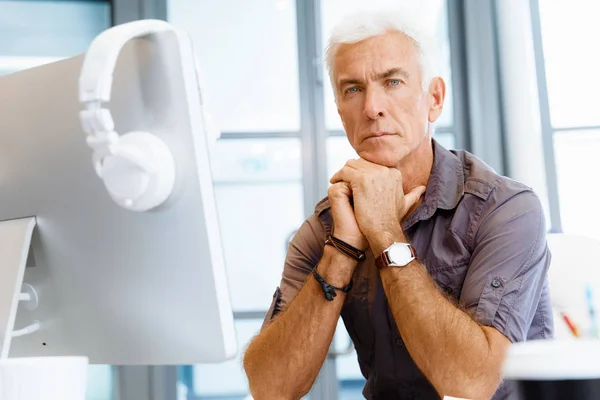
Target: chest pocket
450 278
445 254
443 251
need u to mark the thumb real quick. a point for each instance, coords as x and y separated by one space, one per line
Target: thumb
413 196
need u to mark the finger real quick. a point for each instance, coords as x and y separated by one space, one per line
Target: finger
346 174
353 163
359 165
364 162
337 177
363 165
340 193
411 198
340 189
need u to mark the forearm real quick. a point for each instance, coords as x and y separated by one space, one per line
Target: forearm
451 349
283 361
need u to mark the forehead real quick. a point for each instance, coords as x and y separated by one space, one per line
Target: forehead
377 54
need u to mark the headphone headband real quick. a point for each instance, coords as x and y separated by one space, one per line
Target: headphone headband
95 82
137 168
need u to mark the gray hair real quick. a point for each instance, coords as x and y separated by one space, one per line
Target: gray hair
366 24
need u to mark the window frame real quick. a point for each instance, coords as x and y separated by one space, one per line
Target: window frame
548 130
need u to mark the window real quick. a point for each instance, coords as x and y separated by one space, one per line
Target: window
225 380
281 140
29 38
258 190
100 383
251 67
576 155
568 27
570 108
251 72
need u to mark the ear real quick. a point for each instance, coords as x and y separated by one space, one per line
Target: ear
437 94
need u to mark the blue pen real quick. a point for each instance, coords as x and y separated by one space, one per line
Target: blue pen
591 309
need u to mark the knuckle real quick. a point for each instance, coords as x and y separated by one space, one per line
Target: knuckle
336 189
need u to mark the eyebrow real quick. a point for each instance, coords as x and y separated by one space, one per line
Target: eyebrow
393 72
384 75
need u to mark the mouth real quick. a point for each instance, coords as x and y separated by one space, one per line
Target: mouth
378 134
374 135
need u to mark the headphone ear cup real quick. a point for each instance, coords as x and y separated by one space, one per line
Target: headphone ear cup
139 172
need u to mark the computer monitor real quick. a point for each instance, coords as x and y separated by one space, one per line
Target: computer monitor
118 286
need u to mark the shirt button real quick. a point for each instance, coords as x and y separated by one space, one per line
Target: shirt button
496 283
399 342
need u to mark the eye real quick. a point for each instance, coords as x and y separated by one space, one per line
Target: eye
351 90
394 82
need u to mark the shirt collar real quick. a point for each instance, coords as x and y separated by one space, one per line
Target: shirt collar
445 187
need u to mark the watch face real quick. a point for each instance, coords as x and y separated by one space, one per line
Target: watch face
399 254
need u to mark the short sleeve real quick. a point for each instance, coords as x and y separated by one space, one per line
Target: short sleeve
508 270
304 252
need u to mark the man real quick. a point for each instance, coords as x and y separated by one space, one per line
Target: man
438 324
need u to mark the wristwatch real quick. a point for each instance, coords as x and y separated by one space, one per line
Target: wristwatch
397 255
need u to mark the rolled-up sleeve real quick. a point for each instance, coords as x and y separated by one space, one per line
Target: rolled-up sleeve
304 252
509 265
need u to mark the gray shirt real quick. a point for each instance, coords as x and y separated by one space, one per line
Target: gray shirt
481 237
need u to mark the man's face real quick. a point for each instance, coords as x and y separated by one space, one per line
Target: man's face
381 101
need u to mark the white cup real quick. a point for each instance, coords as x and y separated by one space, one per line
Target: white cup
43 378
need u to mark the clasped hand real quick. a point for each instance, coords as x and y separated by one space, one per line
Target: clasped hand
368 202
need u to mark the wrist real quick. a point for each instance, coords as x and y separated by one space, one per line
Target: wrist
385 239
336 268
360 243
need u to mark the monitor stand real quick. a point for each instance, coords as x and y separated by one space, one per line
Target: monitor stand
15 242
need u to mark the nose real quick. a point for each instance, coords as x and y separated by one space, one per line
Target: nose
373 108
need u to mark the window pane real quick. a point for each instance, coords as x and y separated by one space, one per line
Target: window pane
338 152
571 73
226 380
260 203
350 379
248 54
576 155
446 139
29 37
333 11
100 382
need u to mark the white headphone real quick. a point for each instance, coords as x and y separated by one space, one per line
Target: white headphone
137 168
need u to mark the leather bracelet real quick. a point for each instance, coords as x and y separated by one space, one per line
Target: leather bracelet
345 248
329 290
